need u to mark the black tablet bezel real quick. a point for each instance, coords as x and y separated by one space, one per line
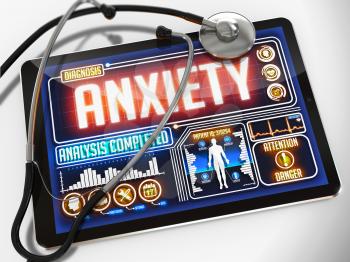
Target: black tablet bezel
43 209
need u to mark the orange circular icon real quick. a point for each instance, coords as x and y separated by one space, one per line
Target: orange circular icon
276 92
150 190
271 72
103 204
284 159
124 195
265 53
72 204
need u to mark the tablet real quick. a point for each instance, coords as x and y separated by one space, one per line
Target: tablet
245 135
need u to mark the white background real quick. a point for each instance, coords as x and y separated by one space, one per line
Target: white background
318 231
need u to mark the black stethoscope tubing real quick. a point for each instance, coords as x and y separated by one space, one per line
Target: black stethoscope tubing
109 12
93 10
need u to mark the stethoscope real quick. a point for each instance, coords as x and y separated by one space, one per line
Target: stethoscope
224 35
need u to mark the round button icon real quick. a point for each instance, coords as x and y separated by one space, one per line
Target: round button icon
205 176
150 190
271 72
284 159
235 175
72 204
124 195
103 204
265 53
276 92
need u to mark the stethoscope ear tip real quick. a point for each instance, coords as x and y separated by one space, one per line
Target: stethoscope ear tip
227 35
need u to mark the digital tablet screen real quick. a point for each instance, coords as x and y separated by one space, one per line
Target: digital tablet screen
241 131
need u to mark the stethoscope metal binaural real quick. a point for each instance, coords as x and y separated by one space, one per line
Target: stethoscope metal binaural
224 35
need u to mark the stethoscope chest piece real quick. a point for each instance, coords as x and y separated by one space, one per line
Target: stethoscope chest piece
231 35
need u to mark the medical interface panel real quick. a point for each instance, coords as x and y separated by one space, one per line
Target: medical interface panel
240 131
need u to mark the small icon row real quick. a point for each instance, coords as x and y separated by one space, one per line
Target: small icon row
124 195
271 72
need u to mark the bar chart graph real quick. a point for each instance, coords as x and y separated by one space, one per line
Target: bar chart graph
90 178
246 167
